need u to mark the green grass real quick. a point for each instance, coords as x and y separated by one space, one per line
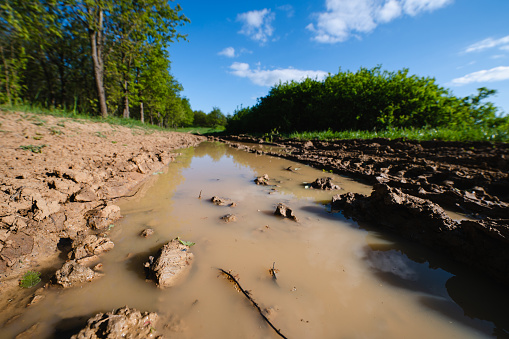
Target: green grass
470 133
199 130
33 148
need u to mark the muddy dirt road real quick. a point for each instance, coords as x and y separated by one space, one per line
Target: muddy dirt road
413 184
61 180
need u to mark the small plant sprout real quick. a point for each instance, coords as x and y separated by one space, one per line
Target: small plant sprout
30 279
185 243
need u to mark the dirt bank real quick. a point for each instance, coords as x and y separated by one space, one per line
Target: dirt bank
470 178
60 179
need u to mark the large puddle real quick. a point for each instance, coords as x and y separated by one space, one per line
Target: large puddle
336 279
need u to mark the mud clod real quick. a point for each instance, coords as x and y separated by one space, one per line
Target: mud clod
325 184
72 274
102 216
229 218
222 201
124 322
147 232
263 180
171 265
285 211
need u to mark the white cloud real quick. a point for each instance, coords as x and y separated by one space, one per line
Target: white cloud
290 12
389 11
344 18
488 75
228 52
489 43
268 78
257 24
414 7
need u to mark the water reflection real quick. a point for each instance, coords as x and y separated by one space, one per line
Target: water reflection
446 287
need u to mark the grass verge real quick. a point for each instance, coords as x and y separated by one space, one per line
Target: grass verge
469 133
112 120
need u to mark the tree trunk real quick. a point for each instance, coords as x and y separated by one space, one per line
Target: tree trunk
97 57
142 113
126 112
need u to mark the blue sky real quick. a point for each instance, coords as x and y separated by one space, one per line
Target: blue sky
237 50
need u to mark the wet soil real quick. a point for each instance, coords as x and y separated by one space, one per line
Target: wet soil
469 178
60 179
334 277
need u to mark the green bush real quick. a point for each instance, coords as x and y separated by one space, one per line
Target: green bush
367 100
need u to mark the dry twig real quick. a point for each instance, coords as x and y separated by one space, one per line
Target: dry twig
248 296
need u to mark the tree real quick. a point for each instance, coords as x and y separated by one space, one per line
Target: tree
216 118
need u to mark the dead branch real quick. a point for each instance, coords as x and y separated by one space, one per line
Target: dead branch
248 296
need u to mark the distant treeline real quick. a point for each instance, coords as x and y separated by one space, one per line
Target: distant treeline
369 99
108 57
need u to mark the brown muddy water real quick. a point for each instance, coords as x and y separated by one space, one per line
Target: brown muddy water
336 279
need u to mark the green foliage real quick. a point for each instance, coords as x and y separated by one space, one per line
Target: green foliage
30 279
215 119
33 148
49 49
367 100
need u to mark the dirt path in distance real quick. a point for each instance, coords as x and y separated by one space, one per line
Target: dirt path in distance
60 178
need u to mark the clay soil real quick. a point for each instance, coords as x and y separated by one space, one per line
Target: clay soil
60 179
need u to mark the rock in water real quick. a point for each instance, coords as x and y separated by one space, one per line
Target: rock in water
171 264
125 322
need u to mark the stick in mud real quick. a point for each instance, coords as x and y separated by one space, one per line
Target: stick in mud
248 296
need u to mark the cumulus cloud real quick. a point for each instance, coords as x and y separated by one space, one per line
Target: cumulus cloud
502 43
269 78
344 18
257 24
228 52
488 75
